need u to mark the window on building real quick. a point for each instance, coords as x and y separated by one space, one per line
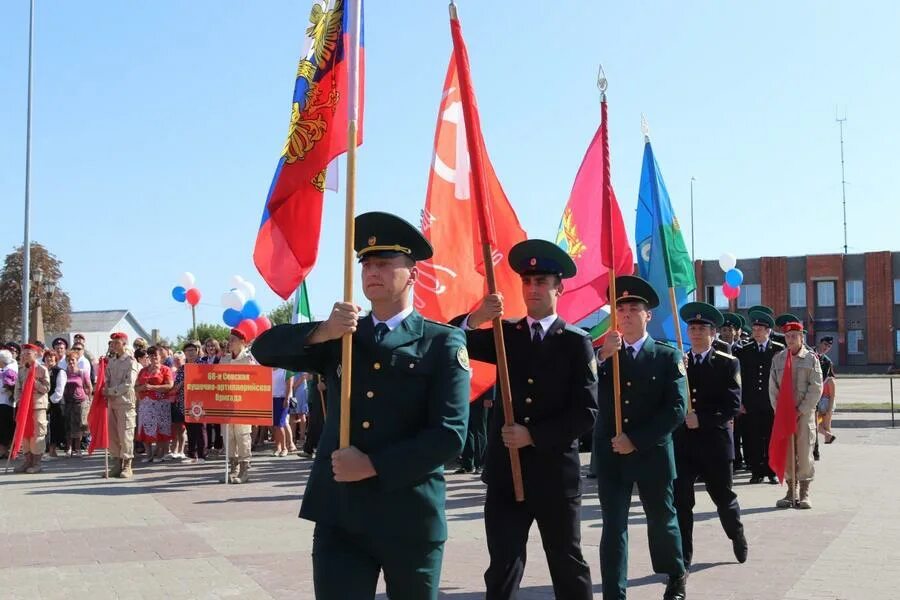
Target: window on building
854 292
798 295
854 341
897 342
751 295
715 296
825 293
897 291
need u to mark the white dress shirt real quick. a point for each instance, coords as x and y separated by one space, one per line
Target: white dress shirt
394 321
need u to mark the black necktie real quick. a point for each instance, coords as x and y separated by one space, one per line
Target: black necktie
381 330
536 331
698 358
630 351
762 348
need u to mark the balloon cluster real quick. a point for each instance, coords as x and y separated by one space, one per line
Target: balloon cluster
734 277
185 290
242 312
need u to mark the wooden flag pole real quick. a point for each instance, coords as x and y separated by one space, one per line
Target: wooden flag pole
349 213
473 140
677 318
602 85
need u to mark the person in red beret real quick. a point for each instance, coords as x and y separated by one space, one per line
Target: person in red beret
807 384
35 440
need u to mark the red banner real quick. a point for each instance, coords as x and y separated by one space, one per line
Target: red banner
231 394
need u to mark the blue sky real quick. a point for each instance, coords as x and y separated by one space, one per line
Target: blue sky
157 126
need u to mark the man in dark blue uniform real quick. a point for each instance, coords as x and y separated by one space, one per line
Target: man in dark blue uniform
756 363
703 445
379 504
652 378
553 379
729 342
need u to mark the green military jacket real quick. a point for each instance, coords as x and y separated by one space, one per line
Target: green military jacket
409 408
654 401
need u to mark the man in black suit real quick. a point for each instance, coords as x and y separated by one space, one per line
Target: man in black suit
703 445
553 379
756 363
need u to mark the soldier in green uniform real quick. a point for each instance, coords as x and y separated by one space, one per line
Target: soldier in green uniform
654 396
379 504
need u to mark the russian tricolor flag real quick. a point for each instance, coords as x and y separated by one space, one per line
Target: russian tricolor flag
288 240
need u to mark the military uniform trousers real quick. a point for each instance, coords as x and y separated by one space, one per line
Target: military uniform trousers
346 565
717 475
757 433
476 437
239 442
663 533
36 442
805 442
507 523
122 418
739 444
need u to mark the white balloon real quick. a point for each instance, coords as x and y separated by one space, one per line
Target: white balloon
727 261
248 289
187 280
236 281
234 299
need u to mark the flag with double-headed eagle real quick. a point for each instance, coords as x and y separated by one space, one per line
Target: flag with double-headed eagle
453 281
585 228
288 240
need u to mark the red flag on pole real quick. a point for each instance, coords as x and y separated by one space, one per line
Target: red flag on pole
453 281
785 420
98 422
24 414
593 233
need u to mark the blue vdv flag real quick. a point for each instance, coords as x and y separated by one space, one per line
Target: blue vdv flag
662 257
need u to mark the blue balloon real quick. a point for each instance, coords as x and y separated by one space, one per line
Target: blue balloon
251 310
179 293
734 277
231 317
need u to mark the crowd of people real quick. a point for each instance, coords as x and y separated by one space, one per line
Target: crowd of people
65 382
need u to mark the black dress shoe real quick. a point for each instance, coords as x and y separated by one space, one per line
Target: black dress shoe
462 471
756 479
773 480
675 588
740 548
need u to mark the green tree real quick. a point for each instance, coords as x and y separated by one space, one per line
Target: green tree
55 304
203 332
282 313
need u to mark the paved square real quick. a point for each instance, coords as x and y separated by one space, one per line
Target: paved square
175 532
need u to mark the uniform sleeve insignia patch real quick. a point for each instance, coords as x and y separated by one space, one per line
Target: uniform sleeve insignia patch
462 357
681 368
593 366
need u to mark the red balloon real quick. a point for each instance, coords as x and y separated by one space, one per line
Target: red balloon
262 323
193 296
248 328
731 292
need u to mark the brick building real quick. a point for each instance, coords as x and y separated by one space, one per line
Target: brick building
854 297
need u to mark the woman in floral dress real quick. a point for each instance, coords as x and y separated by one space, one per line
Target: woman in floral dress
154 406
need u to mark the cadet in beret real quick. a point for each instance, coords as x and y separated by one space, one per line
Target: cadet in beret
703 445
553 379
807 388
654 394
378 505
121 374
756 362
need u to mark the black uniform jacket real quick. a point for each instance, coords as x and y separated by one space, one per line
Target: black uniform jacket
554 395
755 368
715 395
409 407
